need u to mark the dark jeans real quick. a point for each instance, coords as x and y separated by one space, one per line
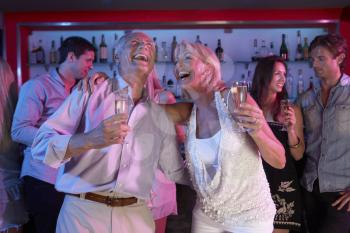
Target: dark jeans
43 204
321 216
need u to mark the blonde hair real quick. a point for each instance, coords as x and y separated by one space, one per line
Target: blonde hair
205 54
8 100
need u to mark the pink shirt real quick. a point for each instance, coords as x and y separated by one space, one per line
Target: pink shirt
126 169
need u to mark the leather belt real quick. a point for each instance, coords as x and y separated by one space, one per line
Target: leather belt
109 201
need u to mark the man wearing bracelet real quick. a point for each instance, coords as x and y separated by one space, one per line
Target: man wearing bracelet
326 114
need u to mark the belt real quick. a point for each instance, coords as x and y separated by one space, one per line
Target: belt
109 201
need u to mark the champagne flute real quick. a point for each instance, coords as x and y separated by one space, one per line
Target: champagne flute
285 104
122 103
239 92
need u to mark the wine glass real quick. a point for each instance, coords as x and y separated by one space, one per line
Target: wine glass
285 104
122 103
239 92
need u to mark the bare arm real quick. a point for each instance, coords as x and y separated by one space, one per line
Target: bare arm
253 119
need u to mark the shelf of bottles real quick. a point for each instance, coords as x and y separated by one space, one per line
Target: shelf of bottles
238 51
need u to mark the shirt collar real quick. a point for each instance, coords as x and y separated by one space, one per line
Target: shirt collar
122 84
55 75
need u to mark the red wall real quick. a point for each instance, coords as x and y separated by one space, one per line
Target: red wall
12 20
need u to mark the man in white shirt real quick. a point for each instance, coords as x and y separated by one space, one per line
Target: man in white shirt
106 161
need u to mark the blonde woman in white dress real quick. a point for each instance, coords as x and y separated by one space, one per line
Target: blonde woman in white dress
233 194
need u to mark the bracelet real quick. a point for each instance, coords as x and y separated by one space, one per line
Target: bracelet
296 145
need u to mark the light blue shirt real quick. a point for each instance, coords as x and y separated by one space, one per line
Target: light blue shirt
39 98
127 169
327 136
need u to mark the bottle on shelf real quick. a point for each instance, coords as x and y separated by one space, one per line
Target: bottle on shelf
289 84
272 49
116 78
219 51
299 50
255 50
40 53
61 41
198 40
173 47
114 49
164 83
32 54
53 56
284 48
300 82
311 83
93 41
156 48
305 50
263 51
164 52
103 50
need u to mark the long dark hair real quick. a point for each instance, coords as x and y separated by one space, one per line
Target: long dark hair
262 78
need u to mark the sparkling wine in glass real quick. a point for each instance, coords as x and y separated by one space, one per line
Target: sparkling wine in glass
285 104
122 103
239 92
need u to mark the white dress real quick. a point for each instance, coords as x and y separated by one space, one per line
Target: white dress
238 192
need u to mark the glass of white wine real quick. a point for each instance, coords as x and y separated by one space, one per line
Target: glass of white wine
285 104
239 92
122 103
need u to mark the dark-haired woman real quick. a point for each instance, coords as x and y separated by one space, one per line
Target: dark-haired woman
269 90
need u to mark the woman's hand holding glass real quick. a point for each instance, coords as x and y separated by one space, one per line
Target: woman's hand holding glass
288 115
250 116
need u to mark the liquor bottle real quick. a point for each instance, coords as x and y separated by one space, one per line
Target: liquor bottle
305 50
300 82
173 47
115 77
164 52
32 54
164 81
255 50
219 51
284 49
61 41
263 51
53 53
114 49
272 49
156 48
93 41
299 50
198 40
40 53
289 84
311 83
103 50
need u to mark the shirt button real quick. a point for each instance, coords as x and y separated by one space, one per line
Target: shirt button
125 165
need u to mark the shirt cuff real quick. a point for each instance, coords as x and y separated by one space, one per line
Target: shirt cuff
56 151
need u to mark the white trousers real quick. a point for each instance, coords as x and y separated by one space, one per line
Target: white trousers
84 216
203 224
